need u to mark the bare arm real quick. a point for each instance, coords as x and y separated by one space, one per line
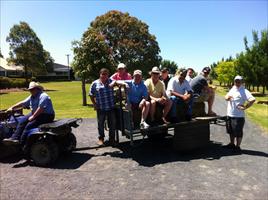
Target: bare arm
93 100
38 111
16 106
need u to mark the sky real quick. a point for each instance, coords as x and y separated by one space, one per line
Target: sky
191 33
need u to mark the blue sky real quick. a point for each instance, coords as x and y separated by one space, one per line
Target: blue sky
191 33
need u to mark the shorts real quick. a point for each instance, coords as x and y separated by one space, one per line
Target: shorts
235 125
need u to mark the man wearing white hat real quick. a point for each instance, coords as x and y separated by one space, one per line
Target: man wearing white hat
236 107
121 73
157 93
41 112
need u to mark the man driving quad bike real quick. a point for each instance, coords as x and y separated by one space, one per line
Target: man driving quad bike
41 112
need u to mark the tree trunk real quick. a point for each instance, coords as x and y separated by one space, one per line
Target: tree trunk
84 92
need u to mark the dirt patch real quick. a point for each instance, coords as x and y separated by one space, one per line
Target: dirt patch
8 90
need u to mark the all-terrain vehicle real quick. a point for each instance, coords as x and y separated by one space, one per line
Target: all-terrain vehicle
43 144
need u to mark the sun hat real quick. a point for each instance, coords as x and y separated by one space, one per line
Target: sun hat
121 66
156 70
33 85
139 72
238 78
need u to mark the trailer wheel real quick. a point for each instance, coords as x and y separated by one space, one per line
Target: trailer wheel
70 143
44 153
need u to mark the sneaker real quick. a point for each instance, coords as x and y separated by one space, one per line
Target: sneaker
100 142
10 141
229 146
144 125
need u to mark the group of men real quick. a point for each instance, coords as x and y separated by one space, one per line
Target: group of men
157 91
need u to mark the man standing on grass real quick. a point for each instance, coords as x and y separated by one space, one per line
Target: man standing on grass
102 96
236 107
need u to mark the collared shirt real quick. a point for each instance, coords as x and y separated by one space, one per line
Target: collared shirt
155 90
42 100
174 85
117 77
136 92
198 83
239 97
103 93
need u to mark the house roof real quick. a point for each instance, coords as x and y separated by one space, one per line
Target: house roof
4 66
60 68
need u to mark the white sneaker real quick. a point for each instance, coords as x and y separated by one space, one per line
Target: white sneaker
144 125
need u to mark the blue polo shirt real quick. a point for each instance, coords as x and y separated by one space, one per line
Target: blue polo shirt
42 100
136 92
103 93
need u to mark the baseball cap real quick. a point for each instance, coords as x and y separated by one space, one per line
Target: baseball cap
139 72
121 65
206 70
238 78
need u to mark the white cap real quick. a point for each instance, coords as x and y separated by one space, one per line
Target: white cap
238 78
139 72
33 85
121 65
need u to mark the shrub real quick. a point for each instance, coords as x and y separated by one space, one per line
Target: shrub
6 82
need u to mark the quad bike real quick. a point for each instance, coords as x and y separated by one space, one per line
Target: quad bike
43 144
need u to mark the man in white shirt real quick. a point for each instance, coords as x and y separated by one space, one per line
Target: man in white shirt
180 92
236 107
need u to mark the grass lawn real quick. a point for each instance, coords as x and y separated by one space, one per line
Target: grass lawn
66 98
258 113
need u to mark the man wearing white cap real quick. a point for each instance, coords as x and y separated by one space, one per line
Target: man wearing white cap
236 107
41 112
137 97
121 73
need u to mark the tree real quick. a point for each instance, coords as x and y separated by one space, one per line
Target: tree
171 65
225 72
113 38
253 64
26 49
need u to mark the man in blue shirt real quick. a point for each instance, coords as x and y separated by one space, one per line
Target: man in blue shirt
137 97
41 112
102 97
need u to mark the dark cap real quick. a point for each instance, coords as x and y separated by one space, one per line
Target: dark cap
206 70
164 69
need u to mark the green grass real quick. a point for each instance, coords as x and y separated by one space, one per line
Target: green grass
66 98
258 113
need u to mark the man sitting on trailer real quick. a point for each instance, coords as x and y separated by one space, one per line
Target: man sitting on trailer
203 91
157 94
180 92
137 97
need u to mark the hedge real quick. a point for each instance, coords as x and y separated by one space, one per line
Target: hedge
12 83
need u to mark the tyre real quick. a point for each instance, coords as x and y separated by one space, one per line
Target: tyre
70 144
43 153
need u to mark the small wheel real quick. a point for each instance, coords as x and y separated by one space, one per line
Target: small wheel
70 143
44 153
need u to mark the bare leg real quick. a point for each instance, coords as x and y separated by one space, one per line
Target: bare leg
238 141
152 109
167 107
145 110
232 138
211 100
